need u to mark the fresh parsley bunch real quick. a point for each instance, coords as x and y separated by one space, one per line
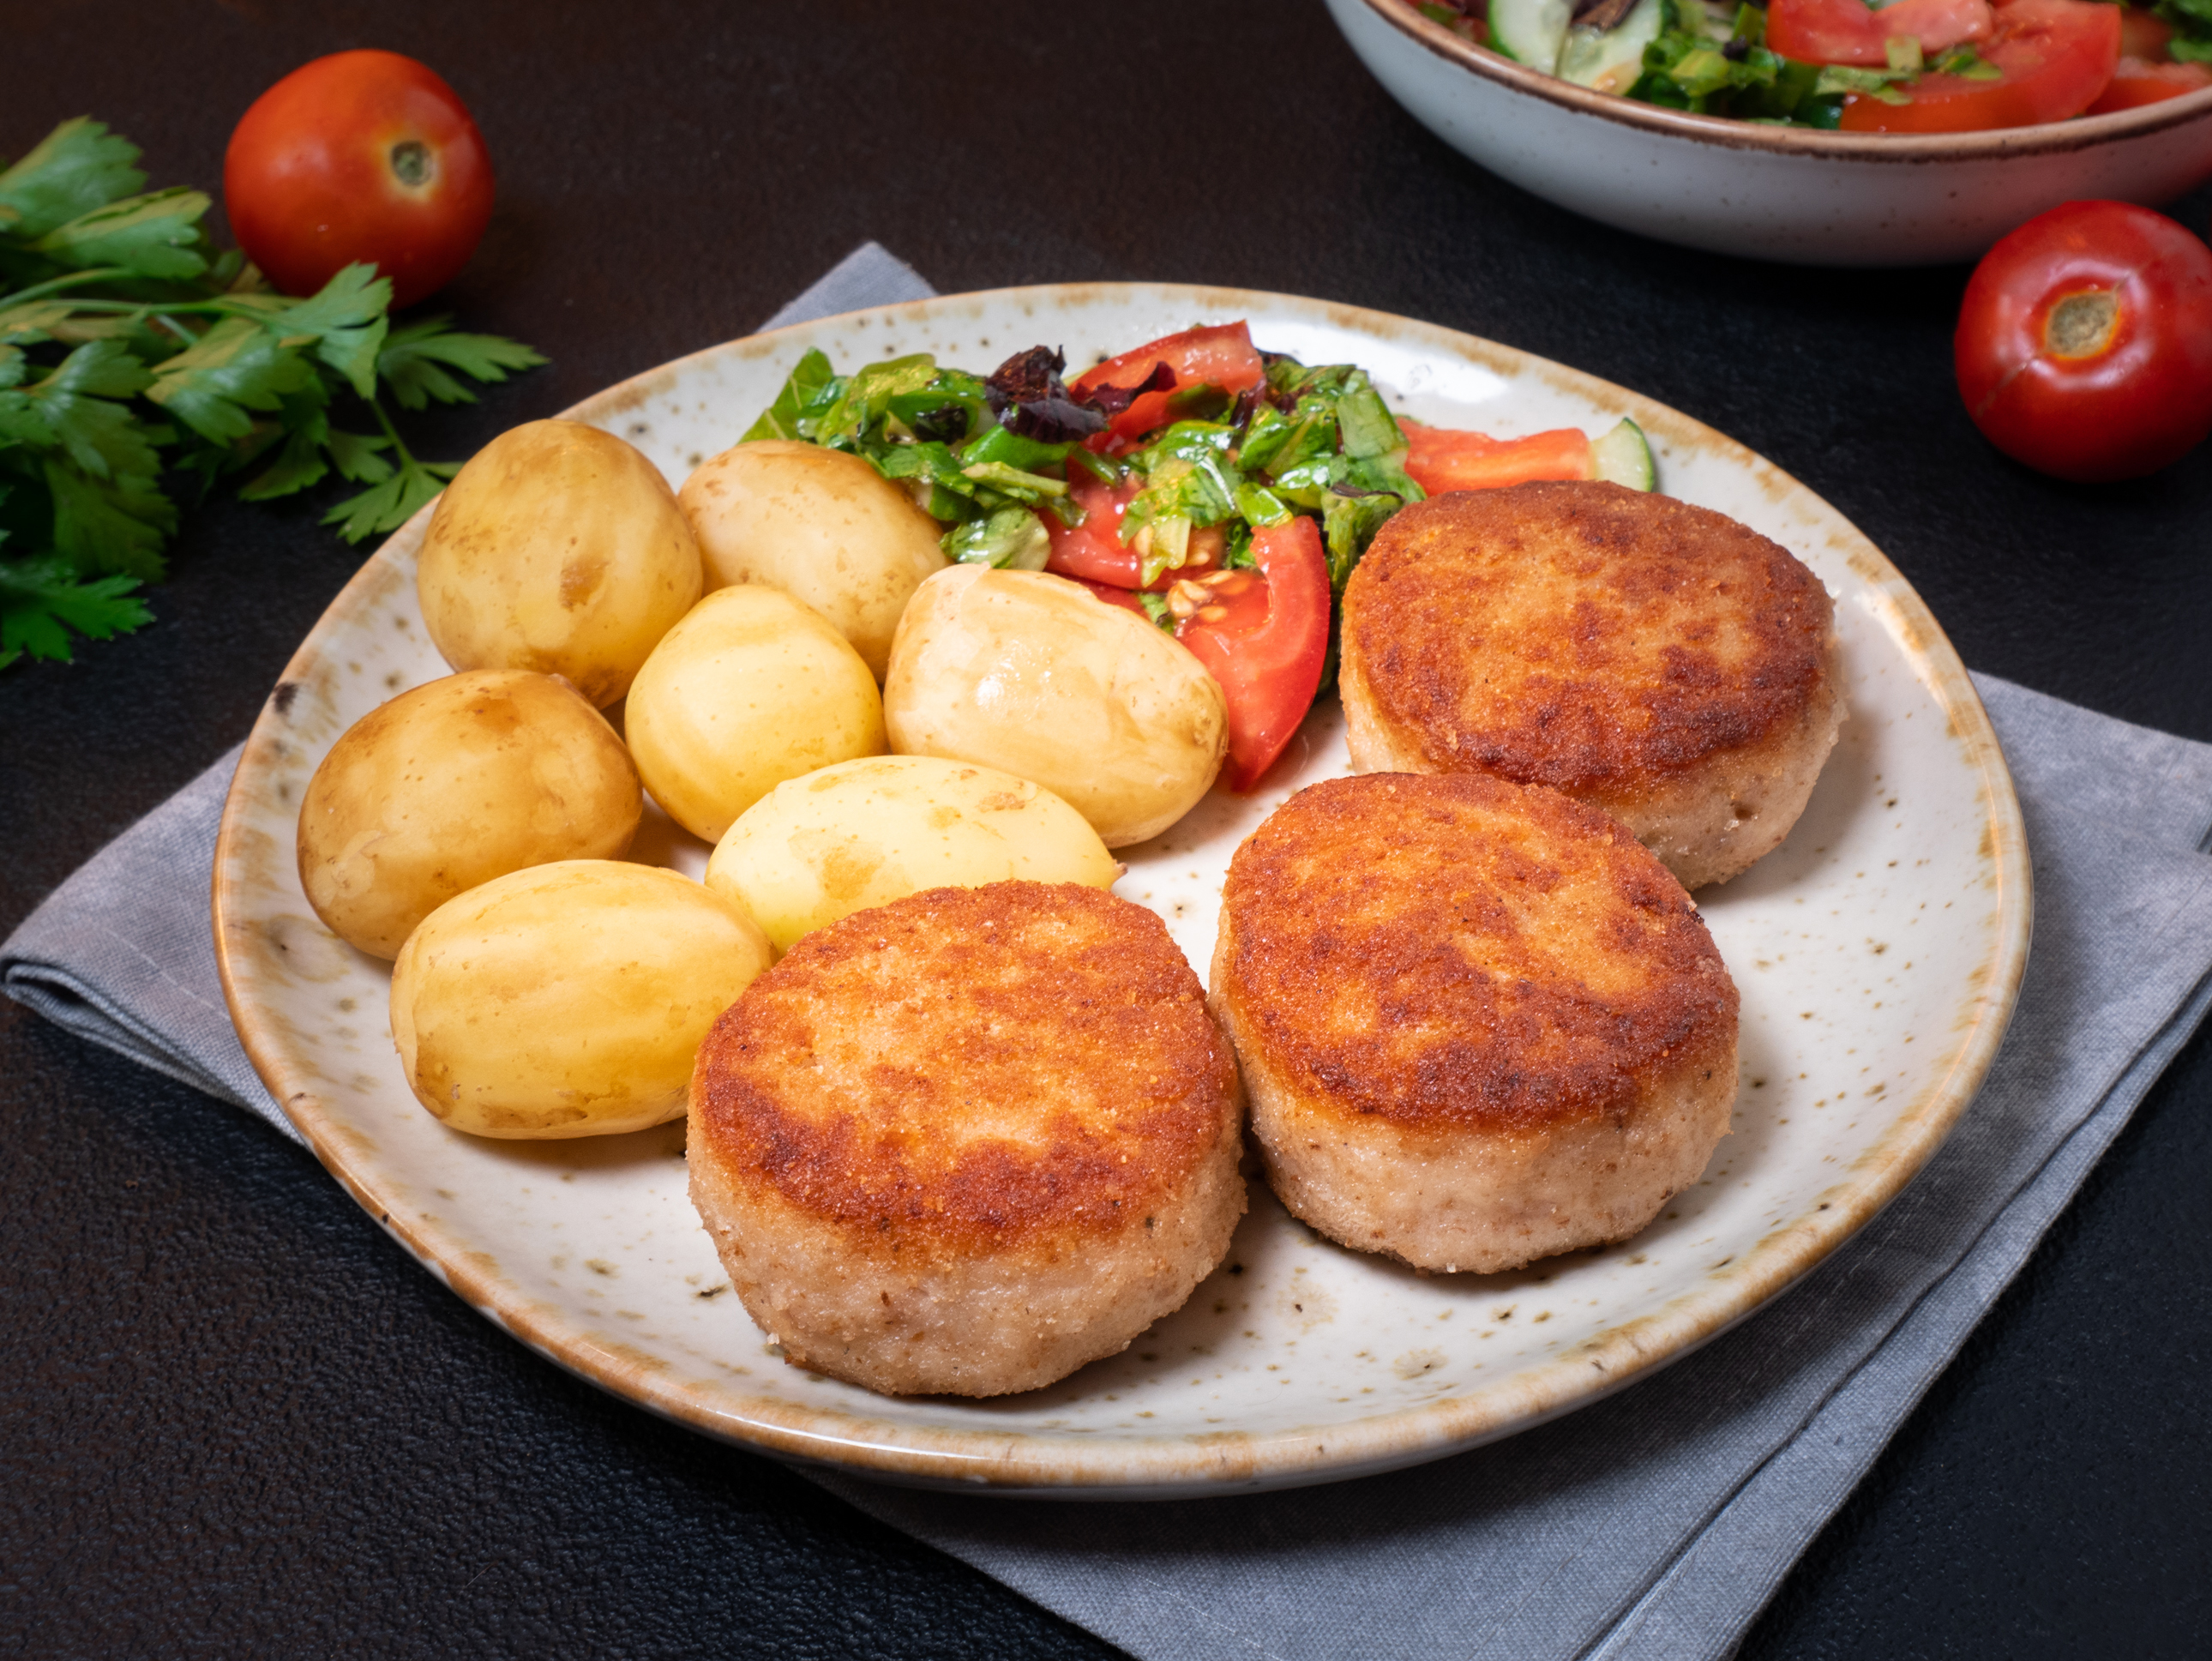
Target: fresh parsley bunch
134 359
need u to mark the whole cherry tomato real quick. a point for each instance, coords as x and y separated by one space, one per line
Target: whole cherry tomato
2085 343
363 156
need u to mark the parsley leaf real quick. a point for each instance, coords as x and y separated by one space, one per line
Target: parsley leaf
415 358
42 601
73 410
156 235
346 323
385 508
78 166
236 365
109 525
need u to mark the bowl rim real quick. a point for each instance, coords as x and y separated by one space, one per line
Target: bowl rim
2044 138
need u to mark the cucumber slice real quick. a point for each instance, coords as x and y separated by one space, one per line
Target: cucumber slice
1623 457
1612 60
1529 31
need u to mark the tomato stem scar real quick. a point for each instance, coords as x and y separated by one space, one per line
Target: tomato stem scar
412 161
2081 324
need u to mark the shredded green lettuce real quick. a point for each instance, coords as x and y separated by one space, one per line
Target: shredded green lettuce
1318 440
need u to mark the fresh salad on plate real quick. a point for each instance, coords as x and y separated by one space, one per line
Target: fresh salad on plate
1222 491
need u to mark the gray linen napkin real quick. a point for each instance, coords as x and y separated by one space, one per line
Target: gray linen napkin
1654 1524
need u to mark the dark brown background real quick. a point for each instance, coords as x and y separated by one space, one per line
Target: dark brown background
238 1420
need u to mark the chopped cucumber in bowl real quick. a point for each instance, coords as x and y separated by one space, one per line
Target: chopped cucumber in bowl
1610 58
1531 31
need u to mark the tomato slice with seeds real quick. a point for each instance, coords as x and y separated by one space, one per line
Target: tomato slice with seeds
1093 551
1264 636
1438 458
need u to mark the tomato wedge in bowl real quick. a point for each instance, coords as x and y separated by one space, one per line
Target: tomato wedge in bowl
1851 32
2137 81
2054 58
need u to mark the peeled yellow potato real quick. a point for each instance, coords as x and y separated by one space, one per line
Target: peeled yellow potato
558 548
568 999
751 688
1029 673
867 832
452 784
821 525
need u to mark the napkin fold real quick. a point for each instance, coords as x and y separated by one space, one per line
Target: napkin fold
1654 1524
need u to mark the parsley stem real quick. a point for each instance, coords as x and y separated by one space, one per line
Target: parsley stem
407 462
209 307
56 285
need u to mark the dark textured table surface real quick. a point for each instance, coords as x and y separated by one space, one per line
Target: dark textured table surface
235 1418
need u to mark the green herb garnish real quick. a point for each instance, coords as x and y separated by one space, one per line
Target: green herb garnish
134 355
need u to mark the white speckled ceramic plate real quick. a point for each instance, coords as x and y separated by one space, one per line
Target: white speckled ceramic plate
1878 952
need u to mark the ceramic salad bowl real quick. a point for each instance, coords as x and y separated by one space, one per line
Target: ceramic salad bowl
1786 193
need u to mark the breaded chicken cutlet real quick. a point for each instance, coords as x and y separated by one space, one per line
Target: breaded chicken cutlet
970 1141
1479 1023
1658 660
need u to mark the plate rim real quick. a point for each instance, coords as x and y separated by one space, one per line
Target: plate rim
1017 1463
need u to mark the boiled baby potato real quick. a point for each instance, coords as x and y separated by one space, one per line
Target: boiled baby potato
452 784
558 548
867 832
822 525
752 688
568 999
1028 674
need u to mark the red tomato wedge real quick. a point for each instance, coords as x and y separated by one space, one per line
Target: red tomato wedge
2057 57
1851 32
1439 460
2137 83
1264 637
1222 355
1093 551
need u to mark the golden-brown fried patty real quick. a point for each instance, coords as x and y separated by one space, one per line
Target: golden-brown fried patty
1658 660
1477 1021
969 1140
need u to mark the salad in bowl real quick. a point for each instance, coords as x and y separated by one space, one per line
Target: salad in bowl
1918 66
